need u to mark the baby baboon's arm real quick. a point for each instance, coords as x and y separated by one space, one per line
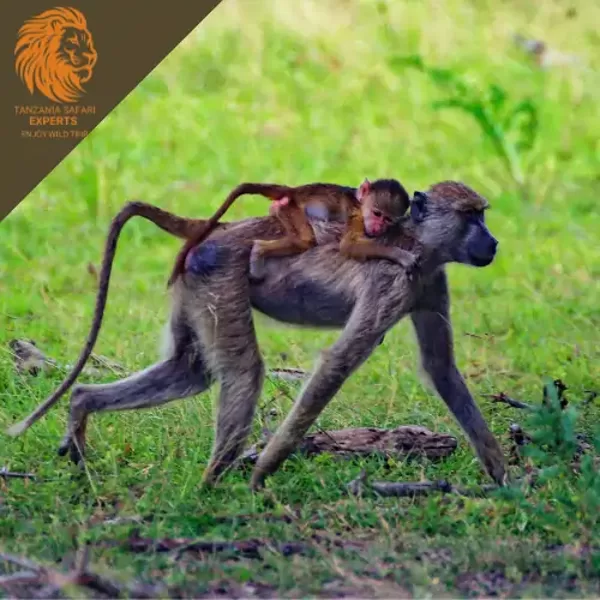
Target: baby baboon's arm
356 245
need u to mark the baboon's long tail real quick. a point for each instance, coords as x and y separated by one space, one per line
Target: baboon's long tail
272 191
180 227
168 222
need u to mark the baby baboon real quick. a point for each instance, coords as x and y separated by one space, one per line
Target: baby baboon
213 337
369 211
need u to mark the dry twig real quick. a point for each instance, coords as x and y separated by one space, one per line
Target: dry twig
6 474
250 549
358 486
242 548
504 399
288 373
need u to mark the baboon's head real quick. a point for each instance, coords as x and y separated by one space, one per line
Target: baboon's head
450 218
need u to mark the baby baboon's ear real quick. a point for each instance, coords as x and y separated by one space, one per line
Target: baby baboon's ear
418 207
363 190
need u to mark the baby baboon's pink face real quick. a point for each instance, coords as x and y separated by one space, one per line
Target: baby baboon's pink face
377 221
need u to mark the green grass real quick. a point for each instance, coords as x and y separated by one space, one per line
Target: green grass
299 92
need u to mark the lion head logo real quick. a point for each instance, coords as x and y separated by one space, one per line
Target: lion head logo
55 54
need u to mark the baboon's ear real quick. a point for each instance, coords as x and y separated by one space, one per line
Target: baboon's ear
418 206
364 189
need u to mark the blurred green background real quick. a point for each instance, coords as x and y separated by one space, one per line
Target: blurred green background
318 90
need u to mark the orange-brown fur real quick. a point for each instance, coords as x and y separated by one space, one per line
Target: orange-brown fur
349 204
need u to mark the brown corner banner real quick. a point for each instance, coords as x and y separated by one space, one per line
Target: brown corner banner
65 65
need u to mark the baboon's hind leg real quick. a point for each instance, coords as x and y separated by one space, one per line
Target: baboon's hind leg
240 390
226 329
178 377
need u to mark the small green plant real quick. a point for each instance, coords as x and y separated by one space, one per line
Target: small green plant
552 429
510 126
567 470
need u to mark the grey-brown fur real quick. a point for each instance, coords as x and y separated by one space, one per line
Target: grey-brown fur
173 224
214 338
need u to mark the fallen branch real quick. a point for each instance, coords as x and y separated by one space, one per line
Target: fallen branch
503 398
358 486
243 548
409 440
6 474
250 549
558 385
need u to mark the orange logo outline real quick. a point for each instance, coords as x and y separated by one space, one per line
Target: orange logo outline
55 54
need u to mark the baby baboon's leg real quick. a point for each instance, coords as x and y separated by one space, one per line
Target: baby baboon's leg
299 237
299 234
166 381
362 334
434 334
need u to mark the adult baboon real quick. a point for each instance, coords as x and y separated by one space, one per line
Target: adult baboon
213 337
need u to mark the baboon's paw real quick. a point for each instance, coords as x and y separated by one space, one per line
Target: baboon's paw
257 481
64 445
68 446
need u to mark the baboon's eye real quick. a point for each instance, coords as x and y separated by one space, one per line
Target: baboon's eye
474 215
376 213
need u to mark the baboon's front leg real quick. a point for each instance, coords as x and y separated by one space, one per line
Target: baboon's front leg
434 333
364 331
175 378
